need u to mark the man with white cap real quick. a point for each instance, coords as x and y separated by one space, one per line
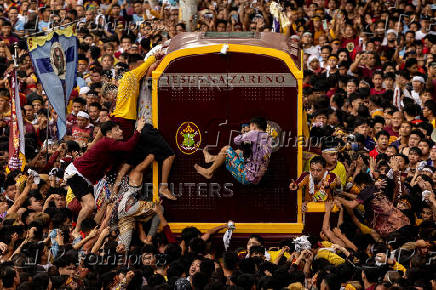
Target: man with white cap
307 43
83 91
82 131
418 83
313 64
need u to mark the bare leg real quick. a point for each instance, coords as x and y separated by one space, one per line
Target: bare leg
136 175
219 161
208 158
88 206
166 167
123 171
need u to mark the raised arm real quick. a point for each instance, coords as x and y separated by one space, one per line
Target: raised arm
347 203
212 231
130 144
326 225
22 197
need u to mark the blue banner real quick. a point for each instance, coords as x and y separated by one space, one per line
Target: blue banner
54 58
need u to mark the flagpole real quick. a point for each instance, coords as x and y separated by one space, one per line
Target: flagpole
57 27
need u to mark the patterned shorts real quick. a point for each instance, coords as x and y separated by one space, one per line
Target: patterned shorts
235 165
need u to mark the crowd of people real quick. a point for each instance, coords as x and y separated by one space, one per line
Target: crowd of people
369 94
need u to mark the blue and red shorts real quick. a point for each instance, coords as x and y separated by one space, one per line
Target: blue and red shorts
235 165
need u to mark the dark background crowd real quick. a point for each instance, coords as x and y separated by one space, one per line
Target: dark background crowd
369 95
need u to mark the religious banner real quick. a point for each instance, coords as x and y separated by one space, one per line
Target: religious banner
17 159
54 58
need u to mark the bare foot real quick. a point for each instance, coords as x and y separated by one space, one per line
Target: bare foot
165 192
208 158
203 171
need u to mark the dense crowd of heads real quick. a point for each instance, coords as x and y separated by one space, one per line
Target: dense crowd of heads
369 95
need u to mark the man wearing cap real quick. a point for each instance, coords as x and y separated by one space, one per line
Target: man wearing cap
314 65
307 43
418 83
83 130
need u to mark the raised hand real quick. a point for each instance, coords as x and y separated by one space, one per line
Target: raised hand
293 186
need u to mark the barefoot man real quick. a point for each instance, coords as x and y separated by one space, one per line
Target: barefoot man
129 208
249 165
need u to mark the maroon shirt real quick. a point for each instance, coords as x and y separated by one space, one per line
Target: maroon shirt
94 164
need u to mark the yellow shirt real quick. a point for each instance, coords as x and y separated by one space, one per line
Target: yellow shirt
128 91
340 172
333 258
275 254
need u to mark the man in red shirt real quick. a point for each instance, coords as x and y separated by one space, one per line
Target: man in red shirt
382 141
82 174
377 81
82 131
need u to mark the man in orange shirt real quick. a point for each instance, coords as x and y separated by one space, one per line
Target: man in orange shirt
319 184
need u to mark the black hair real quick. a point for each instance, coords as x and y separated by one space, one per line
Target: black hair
379 119
257 250
412 110
155 280
371 273
360 121
258 238
207 266
230 260
107 126
88 224
426 126
80 101
418 133
362 178
42 111
395 147
405 158
382 133
332 281
410 62
197 246
260 122
175 269
95 104
182 25
431 105
199 280
133 58
73 146
8 275
429 142
416 150
221 21
318 159
190 233
327 47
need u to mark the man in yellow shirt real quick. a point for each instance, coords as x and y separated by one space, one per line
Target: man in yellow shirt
125 111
